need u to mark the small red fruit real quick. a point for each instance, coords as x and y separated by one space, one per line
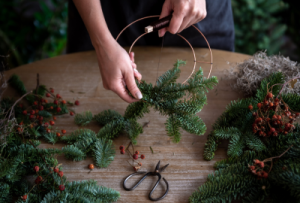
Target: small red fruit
36 168
48 95
274 117
261 164
25 112
265 175
54 118
252 167
76 102
55 102
60 173
35 103
58 96
135 156
63 101
266 102
121 147
51 90
46 101
91 166
256 161
72 113
142 156
254 114
58 134
38 180
137 152
272 130
271 104
259 105
276 100
46 124
250 107
61 187
41 118
297 114
48 130
41 108
20 130
32 112
51 122
63 131
58 109
122 151
24 197
56 170
270 95
31 116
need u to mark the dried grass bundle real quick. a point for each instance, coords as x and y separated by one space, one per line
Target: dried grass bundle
248 75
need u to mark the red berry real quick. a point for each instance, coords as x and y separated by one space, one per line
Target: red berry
55 102
276 100
32 112
121 147
38 180
256 161
61 187
58 109
259 105
261 164
41 108
272 130
58 96
35 103
254 114
271 104
279 117
46 124
265 175
56 170
46 101
258 120
48 130
48 95
54 118
58 134
135 156
20 130
274 117
63 131
60 173
250 107
41 118
270 95
63 101
276 104
287 113
77 102
142 156
25 112
297 114
137 152
72 113
122 151
275 134
51 90
266 102
252 167
21 123
36 168
285 132
51 122
31 116
24 197
91 166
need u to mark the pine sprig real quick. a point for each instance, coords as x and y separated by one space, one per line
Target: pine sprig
84 118
104 152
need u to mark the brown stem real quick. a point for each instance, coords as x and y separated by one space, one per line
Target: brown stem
286 84
11 109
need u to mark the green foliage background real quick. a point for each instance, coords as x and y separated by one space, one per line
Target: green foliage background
34 29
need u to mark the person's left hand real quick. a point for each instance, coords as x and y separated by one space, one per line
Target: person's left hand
185 14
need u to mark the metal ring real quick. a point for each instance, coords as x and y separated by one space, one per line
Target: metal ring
194 55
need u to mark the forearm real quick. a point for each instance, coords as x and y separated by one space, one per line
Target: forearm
93 18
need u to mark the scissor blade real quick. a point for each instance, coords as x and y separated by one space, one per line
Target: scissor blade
157 166
163 168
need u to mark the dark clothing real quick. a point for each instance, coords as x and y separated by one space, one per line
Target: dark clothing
218 26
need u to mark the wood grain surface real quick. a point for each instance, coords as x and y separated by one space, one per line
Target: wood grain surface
76 76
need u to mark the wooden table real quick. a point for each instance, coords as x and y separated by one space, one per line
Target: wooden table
76 76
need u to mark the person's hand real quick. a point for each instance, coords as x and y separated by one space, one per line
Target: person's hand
185 14
117 70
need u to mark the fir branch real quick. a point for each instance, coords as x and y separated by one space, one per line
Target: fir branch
172 127
192 124
136 110
171 75
84 118
104 152
72 152
51 137
107 116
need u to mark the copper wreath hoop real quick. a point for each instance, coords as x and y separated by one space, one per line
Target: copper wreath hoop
194 55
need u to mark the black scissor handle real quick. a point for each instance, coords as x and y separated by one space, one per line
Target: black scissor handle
134 174
163 196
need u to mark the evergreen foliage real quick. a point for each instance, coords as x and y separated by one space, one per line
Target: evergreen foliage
235 124
84 118
20 135
180 102
233 180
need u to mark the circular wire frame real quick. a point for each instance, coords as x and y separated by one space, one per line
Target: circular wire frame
194 55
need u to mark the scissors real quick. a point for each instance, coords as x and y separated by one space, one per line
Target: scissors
155 173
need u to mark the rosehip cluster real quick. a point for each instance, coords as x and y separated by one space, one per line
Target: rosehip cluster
257 169
272 117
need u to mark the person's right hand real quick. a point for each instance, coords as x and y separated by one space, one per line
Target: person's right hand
117 70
